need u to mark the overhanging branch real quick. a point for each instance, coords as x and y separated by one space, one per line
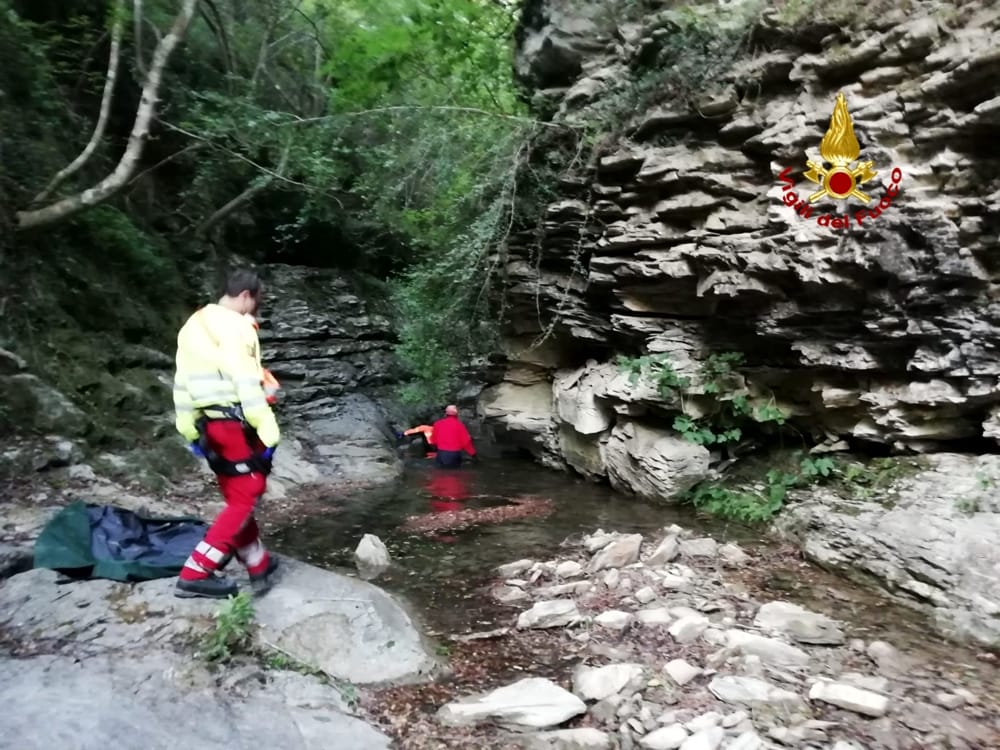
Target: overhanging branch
137 138
102 119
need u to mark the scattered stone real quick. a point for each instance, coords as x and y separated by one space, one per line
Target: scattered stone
801 624
849 697
731 720
624 551
569 569
749 740
675 582
509 594
371 555
515 568
844 745
584 738
951 701
681 672
532 702
714 636
645 595
667 738
665 552
707 739
656 616
612 578
706 547
563 589
866 682
614 619
770 650
598 540
688 628
705 721
598 683
733 554
553 613
890 662
751 690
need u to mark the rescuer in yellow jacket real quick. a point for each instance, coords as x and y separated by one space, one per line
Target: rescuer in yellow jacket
222 410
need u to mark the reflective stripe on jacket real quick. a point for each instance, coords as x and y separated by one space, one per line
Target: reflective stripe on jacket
218 364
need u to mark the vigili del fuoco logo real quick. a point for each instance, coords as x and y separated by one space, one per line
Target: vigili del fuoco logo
844 178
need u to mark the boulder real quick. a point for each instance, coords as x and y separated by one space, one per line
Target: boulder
28 403
524 416
348 628
929 546
117 661
159 698
652 462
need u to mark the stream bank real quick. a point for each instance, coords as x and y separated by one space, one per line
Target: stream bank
471 599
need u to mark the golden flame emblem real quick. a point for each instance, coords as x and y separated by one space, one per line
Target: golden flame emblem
840 148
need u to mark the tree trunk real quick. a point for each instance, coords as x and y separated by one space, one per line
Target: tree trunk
102 119
137 138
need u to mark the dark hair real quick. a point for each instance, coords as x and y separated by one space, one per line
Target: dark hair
241 280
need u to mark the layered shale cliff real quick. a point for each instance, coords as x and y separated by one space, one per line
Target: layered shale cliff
689 233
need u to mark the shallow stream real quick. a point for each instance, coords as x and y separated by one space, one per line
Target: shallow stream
445 575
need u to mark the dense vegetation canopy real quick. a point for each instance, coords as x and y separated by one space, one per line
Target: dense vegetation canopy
381 138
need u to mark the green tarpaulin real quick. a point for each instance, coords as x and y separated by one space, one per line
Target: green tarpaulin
103 541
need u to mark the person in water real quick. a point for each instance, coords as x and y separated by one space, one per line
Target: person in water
452 439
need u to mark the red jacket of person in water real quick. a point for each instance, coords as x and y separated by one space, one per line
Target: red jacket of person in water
451 435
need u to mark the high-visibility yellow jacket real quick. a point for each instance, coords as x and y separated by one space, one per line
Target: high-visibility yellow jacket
218 364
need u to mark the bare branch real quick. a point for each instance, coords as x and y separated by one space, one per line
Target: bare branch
139 63
242 199
102 119
177 154
137 138
251 162
218 27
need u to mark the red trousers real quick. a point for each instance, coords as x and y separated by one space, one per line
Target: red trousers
234 531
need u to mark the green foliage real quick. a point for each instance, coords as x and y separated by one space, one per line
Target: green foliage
753 507
656 368
968 506
718 378
688 50
868 480
233 632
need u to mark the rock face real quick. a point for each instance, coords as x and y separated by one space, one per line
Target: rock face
678 238
333 356
930 542
115 658
681 240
